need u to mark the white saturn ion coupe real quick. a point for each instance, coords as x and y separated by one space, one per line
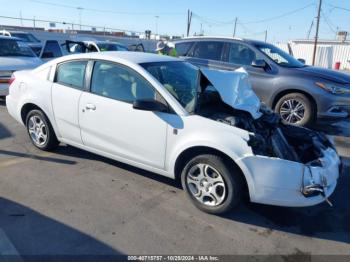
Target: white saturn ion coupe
204 127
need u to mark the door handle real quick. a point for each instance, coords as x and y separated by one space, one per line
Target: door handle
90 107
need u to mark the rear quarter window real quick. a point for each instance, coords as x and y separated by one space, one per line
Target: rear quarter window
71 74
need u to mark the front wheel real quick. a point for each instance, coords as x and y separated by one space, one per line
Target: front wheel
213 185
296 109
40 131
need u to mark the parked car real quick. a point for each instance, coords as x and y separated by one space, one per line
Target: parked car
14 55
93 46
53 49
204 127
299 93
33 42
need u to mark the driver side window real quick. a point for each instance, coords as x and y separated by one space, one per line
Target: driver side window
120 83
240 54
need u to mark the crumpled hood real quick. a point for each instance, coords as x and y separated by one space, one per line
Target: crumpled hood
19 63
235 90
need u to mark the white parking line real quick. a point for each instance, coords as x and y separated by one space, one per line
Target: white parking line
8 252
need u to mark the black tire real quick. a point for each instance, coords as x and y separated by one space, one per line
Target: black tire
309 112
230 175
51 141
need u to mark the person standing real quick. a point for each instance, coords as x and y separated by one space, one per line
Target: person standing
166 48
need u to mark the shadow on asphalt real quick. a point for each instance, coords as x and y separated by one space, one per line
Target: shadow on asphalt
33 233
66 150
320 221
35 157
339 128
4 132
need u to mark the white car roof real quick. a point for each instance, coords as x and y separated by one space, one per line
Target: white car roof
134 57
124 57
121 56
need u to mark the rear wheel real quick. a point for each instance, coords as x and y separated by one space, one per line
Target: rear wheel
40 131
213 185
296 109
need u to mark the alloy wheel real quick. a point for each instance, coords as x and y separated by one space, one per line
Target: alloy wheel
37 130
206 184
292 111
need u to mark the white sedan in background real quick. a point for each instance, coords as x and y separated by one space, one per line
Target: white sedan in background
206 128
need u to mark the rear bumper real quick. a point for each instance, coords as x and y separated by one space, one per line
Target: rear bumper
12 109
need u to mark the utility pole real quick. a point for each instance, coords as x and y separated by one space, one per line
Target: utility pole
20 15
317 31
265 36
235 27
34 22
189 21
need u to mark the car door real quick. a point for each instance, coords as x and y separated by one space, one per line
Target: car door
238 55
67 89
110 124
50 50
75 47
206 54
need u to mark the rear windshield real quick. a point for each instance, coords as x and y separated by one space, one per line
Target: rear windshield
26 37
10 47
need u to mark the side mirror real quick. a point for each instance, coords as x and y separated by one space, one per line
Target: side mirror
301 60
260 63
150 105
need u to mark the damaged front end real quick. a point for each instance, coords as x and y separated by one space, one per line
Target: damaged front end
290 166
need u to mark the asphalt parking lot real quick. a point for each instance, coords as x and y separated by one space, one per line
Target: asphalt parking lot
72 202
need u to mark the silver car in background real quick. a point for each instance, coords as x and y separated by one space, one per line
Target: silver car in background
15 55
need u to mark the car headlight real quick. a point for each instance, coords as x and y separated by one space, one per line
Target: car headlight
334 89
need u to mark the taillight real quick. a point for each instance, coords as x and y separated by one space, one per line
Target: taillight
12 79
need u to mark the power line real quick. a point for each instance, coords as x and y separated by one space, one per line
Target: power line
309 32
339 7
280 16
212 22
67 23
105 11
328 22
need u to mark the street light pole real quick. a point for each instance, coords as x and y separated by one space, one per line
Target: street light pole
157 17
317 31
80 9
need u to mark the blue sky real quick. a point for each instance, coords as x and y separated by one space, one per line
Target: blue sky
216 17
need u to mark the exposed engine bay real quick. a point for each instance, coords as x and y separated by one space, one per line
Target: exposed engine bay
269 136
